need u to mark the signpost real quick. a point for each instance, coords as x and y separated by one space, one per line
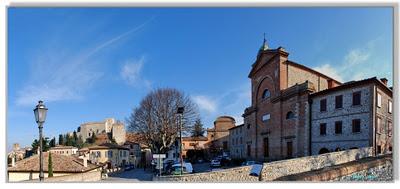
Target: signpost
159 164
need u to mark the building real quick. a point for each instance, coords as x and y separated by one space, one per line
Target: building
18 153
218 137
146 155
193 143
354 115
276 123
28 169
285 120
135 152
110 154
237 145
112 128
64 150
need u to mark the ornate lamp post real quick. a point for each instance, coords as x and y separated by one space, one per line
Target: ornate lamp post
180 113
40 116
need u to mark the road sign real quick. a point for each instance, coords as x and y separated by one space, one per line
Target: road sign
159 156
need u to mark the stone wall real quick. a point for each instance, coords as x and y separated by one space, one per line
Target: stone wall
240 174
274 170
90 176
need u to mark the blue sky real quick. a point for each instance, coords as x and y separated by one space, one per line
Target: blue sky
88 64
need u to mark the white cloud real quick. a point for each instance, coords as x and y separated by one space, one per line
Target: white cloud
357 56
58 75
205 103
358 63
130 71
328 70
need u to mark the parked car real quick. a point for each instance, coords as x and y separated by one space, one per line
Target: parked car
128 167
248 163
215 163
176 169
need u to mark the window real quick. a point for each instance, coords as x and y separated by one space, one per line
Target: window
338 127
98 154
289 150
241 141
290 115
248 126
379 127
266 94
379 101
356 124
225 145
266 147
339 101
322 129
266 117
390 106
248 150
389 129
356 98
322 105
379 149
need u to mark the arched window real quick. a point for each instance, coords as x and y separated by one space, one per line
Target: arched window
290 115
323 151
266 94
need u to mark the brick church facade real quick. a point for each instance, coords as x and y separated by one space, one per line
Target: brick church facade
285 119
277 122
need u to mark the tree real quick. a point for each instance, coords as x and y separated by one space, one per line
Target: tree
61 140
35 145
74 139
79 142
198 130
52 142
156 119
50 166
92 139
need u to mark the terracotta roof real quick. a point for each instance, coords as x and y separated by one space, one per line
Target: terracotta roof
237 126
62 147
61 164
135 137
201 138
353 84
107 146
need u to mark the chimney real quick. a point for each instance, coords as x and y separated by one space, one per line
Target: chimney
384 81
13 161
85 161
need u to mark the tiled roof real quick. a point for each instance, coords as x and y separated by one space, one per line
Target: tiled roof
107 146
61 164
62 147
201 138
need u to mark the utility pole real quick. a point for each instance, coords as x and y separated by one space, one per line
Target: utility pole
180 113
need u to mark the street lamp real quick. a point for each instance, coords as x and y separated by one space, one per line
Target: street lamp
40 116
180 111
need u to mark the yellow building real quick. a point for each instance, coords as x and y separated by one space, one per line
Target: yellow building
64 150
110 154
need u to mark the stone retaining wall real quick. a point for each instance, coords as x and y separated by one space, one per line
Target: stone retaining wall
90 176
274 170
240 174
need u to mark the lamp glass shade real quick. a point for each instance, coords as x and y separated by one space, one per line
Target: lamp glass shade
40 112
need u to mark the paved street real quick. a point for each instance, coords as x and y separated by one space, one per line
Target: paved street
135 175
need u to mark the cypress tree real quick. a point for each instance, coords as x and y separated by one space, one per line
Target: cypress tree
50 166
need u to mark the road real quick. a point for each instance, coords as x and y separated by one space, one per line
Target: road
135 175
